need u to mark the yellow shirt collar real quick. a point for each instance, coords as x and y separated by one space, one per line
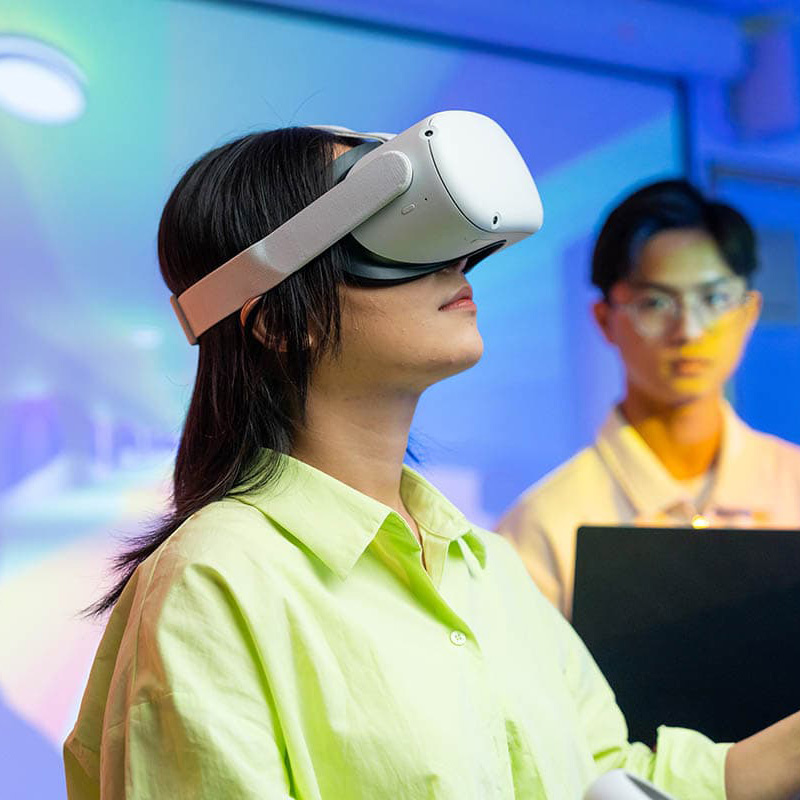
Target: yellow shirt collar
644 479
337 523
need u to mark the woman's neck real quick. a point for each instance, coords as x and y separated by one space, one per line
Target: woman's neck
360 439
685 438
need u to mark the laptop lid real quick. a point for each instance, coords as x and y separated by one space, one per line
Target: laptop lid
696 629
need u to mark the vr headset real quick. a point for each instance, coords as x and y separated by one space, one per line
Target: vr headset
452 186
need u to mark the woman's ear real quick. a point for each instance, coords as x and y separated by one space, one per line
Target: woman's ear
269 340
259 328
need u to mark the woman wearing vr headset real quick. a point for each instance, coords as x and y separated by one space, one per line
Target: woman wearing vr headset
313 619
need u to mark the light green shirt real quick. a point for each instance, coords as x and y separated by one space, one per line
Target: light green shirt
290 643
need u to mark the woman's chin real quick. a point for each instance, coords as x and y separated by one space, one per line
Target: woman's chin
461 359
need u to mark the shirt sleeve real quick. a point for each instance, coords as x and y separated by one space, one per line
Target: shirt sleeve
521 527
199 721
685 763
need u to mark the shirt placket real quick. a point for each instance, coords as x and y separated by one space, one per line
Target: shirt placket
459 633
403 545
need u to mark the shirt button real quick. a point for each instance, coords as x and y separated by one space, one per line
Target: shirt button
457 638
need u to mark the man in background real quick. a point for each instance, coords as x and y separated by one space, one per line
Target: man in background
674 270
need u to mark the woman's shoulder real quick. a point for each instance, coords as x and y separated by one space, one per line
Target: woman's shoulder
228 536
215 528
227 554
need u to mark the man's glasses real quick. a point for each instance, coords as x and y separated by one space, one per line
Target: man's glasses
655 310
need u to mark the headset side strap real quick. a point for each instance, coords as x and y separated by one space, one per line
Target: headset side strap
313 230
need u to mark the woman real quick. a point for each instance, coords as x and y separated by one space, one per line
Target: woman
314 620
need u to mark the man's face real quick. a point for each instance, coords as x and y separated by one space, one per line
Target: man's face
681 319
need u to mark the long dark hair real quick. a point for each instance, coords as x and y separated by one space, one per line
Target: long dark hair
247 396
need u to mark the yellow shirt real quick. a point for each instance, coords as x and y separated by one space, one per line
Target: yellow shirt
619 479
289 643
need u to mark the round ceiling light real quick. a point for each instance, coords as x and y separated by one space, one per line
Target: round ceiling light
38 82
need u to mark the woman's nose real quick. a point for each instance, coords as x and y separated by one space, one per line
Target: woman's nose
459 266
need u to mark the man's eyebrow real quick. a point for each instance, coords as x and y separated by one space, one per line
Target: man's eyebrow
662 287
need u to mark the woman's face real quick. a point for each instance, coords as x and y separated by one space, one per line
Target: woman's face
406 337
681 320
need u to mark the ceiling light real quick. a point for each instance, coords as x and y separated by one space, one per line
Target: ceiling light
38 82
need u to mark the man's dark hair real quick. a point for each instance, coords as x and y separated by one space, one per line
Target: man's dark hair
663 206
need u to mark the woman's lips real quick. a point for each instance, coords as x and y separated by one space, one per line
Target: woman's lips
462 300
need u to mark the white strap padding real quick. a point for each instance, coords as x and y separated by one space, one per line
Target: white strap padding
310 232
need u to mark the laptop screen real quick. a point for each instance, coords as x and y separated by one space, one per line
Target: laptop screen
695 629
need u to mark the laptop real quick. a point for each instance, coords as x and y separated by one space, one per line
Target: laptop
695 629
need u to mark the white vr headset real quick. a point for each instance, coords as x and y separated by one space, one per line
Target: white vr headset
452 186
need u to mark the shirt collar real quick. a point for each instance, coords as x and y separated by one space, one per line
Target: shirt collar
648 485
738 476
636 468
337 523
